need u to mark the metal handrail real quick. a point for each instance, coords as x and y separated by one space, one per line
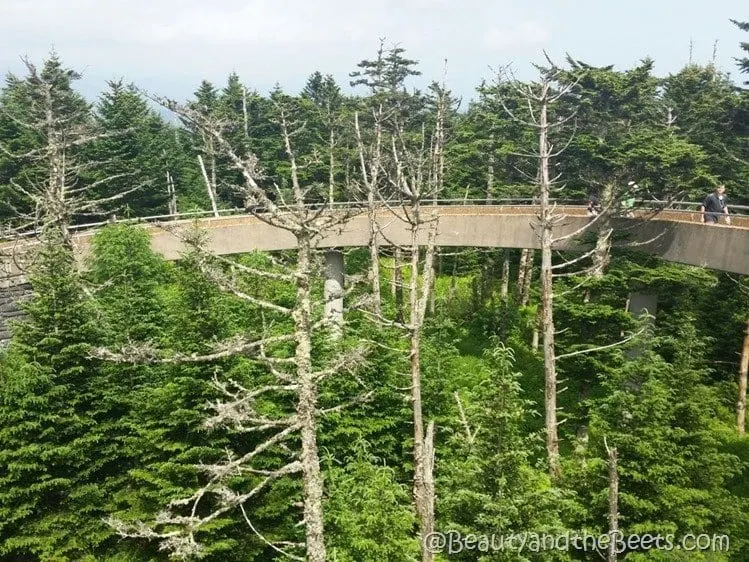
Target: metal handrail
650 204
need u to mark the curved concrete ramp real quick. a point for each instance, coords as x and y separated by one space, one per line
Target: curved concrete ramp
676 236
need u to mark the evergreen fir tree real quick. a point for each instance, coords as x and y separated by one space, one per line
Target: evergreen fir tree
743 63
53 486
490 479
138 151
673 464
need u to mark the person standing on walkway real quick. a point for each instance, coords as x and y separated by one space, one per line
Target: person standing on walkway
593 208
714 206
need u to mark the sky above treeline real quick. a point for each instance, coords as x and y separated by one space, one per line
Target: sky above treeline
168 46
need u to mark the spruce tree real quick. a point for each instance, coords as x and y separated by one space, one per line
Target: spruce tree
139 150
673 464
490 477
52 481
743 63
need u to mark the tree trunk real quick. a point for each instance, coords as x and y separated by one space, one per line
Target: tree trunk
429 492
504 293
454 277
370 169
504 290
423 489
331 169
547 293
244 113
613 503
333 291
490 173
743 370
393 273
521 273
374 258
525 293
550 372
214 181
208 186
415 357
307 406
172 203
398 283
433 293
437 274
485 280
57 182
602 254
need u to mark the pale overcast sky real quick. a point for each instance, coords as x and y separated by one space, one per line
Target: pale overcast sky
168 46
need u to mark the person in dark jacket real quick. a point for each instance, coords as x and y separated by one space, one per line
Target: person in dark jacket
593 207
714 206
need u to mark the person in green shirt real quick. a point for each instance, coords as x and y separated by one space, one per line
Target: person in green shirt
628 201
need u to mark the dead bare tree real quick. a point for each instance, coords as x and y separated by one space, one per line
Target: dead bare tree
291 374
371 164
505 288
415 174
210 185
51 183
525 275
490 169
602 255
541 99
172 193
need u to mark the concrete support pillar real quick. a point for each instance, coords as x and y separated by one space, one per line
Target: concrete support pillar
333 291
637 305
640 303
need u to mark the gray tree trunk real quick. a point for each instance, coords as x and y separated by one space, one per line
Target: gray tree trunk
505 288
423 489
602 254
527 278
333 291
490 173
547 292
307 405
743 370
613 504
398 283
521 273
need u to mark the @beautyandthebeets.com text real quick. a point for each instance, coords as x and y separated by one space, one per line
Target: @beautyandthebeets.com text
454 542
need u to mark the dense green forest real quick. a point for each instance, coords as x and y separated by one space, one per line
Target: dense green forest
209 408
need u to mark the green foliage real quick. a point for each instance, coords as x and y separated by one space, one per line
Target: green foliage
743 63
489 475
673 466
368 517
81 439
137 152
131 278
52 488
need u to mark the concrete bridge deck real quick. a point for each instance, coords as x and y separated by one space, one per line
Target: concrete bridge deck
676 236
